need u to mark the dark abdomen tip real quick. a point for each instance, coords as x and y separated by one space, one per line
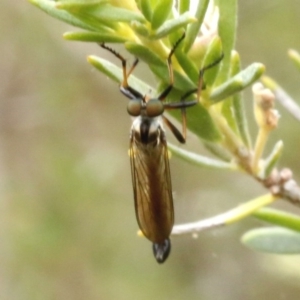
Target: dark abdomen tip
161 251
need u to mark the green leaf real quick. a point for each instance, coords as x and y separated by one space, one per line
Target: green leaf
146 9
87 36
238 104
233 107
273 240
193 29
158 66
227 31
246 209
50 8
145 54
237 83
235 63
278 217
172 25
199 122
79 4
187 65
200 160
213 54
241 119
116 74
160 13
140 29
218 150
184 6
108 13
271 161
228 113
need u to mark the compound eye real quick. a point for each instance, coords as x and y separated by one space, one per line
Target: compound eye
154 108
134 107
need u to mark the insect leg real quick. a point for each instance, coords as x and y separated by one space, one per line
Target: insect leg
201 74
183 105
125 88
168 89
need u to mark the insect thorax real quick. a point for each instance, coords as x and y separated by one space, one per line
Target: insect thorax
147 131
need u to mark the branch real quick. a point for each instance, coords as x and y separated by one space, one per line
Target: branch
226 218
282 184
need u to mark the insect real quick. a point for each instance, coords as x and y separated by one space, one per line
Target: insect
148 150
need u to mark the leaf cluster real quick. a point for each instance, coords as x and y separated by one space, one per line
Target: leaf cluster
148 30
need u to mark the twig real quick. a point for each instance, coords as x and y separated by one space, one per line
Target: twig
282 184
226 218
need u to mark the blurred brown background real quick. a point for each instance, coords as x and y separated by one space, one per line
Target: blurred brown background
67 224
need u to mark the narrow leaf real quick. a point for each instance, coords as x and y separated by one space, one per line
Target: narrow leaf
108 13
271 161
79 4
248 208
233 109
193 29
140 29
187 65
238 104
228 113
146 9
200 123
218 150
93 37
158 66
181 82
227 31
116 14
213 54
172 25
278 217
116 74
184 6
200 160
231 106
50 8
144 53
273 240
160 13
199 120
237 83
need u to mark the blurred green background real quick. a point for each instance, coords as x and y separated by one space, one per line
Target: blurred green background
68 229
